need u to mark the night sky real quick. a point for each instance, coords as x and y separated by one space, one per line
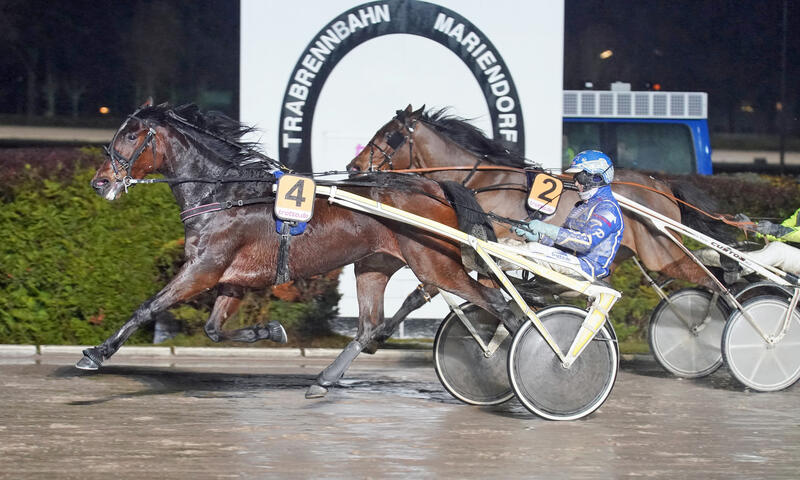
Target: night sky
66 58
731 49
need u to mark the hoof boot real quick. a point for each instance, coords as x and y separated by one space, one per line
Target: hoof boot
90 361
276 332
371 347
316 391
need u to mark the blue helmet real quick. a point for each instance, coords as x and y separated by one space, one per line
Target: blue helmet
597 166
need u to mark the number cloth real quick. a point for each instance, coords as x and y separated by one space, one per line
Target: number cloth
297 229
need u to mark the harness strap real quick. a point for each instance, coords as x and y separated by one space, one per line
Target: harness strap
501 186
472 172
282 270
199 210
218 206
410 145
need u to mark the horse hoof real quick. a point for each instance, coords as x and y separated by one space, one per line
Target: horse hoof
371 348
87 363
92 359
316 391
277 332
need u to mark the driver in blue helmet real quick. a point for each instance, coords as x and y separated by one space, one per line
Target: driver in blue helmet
592 232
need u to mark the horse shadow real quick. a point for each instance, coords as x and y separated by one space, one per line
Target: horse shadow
205 384
196 384
719 380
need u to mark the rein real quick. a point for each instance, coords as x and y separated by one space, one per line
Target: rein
444 169
219 206
719 217
715 216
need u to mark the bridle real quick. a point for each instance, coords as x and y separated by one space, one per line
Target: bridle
118 161
394 141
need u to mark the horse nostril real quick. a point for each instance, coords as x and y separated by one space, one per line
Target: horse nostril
98 183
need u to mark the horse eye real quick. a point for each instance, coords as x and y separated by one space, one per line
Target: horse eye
131 136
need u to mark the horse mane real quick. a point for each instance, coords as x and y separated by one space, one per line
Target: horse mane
214 130
472 138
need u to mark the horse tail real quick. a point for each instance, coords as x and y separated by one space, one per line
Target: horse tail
686 190
471 217
472 220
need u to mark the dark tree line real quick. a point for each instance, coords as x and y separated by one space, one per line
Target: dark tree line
69 57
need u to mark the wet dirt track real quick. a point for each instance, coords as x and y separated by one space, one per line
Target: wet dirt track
244 418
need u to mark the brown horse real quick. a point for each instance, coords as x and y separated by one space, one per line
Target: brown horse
453 149
224 189
421 140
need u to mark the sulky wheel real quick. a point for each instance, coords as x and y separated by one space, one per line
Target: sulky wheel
461 365
756 362
688 350
759 289
540 381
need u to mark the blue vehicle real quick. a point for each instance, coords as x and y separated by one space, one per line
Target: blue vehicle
653 131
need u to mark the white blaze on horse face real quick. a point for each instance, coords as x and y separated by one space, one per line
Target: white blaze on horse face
113 191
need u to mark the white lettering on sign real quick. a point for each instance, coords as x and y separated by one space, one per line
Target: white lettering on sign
487 62
293 215
313 60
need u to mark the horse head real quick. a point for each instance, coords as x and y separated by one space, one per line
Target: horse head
385 151
132 154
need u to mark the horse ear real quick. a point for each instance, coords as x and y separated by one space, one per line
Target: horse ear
409 110
418 112
147 103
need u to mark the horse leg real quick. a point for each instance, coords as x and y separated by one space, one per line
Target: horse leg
185 285
413 301
416 299
372 275
660 254
489 299
448 274
225 306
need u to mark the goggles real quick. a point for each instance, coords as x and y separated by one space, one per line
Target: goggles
589 180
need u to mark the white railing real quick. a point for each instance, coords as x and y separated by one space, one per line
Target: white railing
621 104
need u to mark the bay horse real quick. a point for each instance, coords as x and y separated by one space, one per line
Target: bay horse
449 148
223 186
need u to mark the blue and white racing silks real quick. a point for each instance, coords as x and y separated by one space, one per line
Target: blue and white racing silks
593 230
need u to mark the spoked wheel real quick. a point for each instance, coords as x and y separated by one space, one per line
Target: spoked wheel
460 363
688 350
540 381
753 360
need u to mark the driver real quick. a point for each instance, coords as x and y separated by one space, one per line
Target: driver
592 232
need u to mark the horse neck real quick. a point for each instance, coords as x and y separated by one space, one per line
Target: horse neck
435 150
194 162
